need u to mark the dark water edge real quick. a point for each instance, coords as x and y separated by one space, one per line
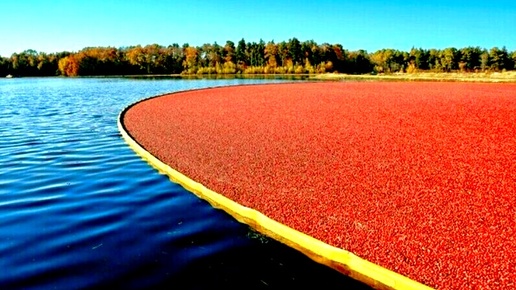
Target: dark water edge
80 210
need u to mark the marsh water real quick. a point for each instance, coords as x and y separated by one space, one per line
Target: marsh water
80 210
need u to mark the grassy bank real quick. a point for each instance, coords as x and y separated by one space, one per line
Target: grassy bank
426 76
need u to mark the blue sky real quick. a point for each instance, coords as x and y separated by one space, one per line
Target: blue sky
59 25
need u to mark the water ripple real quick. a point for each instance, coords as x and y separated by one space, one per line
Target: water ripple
78 209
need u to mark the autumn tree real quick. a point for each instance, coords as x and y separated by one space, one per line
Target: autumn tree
229 51
191 59
380 59
271 54
135 56
290 56
98 61
69 66
149 59
389 60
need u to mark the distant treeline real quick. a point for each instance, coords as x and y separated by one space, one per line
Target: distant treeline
286 57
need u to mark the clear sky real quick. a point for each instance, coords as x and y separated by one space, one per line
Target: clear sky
70 25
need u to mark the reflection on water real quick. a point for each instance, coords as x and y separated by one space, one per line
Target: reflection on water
78 208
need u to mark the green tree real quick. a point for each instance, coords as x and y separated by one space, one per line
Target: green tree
24 63
434 60
154 58
326 53
211 54
294 49
47 64
449 59
241 53
4 66
339 60
499 59
173 59
32 63
260 48
513 57
310 53
359 62
256 53
470 57
420 57
290 56
283 53
484 60
306 52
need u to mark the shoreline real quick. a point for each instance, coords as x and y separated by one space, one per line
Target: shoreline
487 77
480 77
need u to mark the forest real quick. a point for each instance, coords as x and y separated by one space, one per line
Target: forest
286 57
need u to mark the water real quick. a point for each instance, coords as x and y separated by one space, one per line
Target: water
79 209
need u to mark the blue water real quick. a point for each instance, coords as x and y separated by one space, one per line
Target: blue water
80 210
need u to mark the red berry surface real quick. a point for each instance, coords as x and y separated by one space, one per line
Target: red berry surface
417 177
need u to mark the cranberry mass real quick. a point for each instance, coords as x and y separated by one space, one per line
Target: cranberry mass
417 177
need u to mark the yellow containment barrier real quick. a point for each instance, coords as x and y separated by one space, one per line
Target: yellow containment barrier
343 261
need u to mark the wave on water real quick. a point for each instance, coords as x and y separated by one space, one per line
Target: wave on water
78 209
